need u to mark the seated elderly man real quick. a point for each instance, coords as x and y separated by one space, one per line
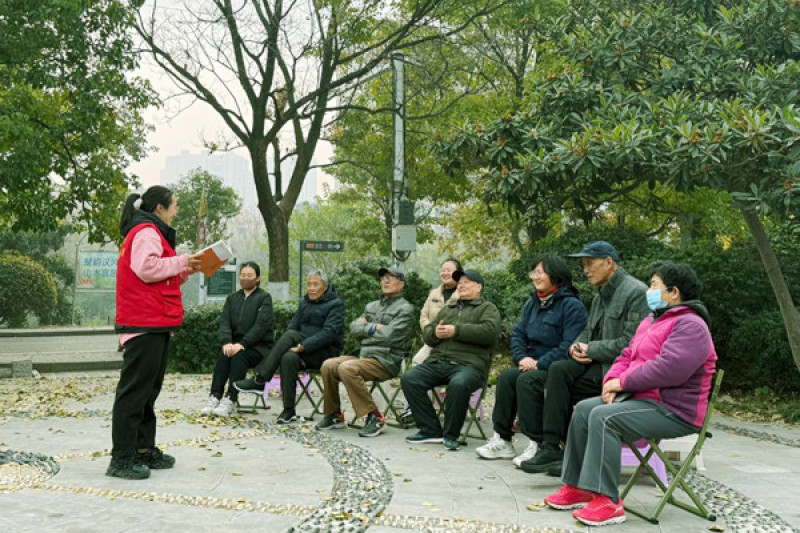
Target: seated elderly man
461 340
315 333
384 335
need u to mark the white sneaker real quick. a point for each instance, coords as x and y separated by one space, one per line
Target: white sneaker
529 452
496 448
225 408
210 406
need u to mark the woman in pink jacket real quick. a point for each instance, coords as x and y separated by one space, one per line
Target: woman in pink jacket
149 307
657 388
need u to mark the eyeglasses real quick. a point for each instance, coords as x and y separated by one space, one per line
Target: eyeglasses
537 273
387 277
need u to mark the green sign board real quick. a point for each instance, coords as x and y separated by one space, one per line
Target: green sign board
97 269
222 283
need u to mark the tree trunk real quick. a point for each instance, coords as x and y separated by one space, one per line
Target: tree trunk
276 223
790 314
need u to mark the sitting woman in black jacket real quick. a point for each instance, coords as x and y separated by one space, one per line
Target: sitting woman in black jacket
315 333
245 333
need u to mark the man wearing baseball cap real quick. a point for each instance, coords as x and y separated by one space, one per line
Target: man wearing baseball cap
461 339
384 335
617 310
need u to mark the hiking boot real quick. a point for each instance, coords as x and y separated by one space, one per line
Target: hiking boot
211 404
226 407
601 511
250 385
547 457
529 452
155 459
569 497
287 416
127 468
451 445
373 426
331 421
424 438
496 448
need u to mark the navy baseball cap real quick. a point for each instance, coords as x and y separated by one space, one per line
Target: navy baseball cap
392 272
600 249
474 275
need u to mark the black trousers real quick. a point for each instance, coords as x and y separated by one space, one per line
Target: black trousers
133 419
461 381
510 400
230 369
290 364
551 395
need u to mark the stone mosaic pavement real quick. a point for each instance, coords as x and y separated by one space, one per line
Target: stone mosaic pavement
246 473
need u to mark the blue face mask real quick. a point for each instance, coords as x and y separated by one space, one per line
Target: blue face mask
654 300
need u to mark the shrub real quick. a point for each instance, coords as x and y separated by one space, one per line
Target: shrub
27 288
195 345
758 354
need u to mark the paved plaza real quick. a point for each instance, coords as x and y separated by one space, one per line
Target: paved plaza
247 473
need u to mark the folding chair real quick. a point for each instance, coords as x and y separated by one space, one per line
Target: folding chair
307 379
260 397
474 411
678 472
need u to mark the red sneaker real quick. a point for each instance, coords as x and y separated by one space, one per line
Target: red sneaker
601 511
569 497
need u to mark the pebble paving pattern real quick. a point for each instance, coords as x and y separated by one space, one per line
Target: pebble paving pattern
362 488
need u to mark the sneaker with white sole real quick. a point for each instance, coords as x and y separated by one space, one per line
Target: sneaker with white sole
211 404
601 511
226 407
496 448
529 452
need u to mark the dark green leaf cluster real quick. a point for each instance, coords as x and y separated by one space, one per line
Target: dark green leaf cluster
690 94
69 113
222 203
27 288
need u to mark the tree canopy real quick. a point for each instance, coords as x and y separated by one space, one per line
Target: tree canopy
222 204
276 71
689 94
69 113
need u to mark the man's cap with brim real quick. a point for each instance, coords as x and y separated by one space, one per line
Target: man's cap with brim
600 249
474 275
392 272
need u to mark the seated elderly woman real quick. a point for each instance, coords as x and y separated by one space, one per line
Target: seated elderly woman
551 320
657 388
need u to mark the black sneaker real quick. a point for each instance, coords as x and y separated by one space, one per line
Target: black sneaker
406 418
546 458
127 468
424 438
554 471
155 459
331 421
287 416
373 426
451 445
250 385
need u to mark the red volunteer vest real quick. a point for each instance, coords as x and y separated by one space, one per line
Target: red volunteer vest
146 306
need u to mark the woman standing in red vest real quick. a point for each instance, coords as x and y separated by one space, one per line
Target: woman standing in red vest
149 307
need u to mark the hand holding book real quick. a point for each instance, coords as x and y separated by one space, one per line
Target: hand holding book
213 257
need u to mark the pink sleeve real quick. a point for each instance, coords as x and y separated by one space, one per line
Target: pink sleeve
146 260
620 365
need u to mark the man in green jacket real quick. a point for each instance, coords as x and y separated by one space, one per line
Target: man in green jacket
617 310
461 339
384 333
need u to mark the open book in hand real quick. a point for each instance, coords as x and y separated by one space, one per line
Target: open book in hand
214 257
